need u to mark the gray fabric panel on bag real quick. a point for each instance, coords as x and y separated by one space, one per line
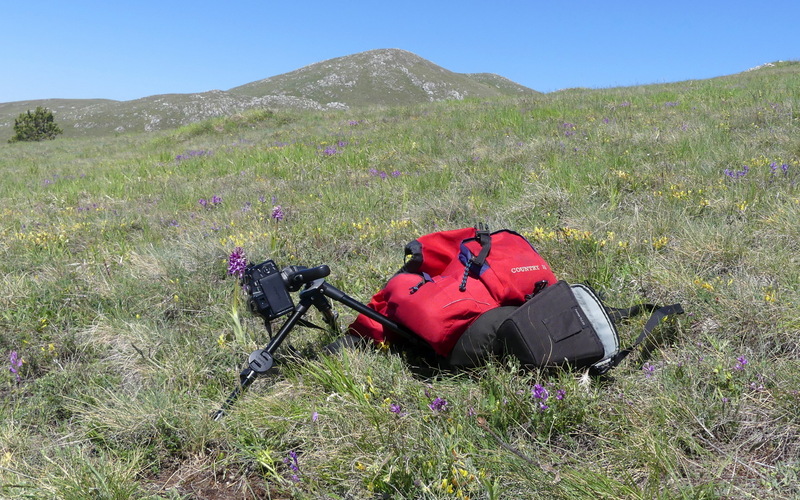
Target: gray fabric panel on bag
599 319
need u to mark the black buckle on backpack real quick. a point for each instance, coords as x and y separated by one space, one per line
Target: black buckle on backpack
538 287
482 232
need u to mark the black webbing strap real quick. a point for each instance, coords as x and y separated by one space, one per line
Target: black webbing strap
309 324
659 313
484 237
618 314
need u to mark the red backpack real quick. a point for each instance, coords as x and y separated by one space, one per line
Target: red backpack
452 277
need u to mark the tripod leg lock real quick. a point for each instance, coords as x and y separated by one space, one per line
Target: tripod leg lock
260 361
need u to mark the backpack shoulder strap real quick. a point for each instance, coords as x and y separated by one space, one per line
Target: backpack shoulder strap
658 314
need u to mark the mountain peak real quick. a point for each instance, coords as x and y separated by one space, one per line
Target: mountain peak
384 77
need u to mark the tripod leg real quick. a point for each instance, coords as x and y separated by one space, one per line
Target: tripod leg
299 311
245 379
411 338
260 361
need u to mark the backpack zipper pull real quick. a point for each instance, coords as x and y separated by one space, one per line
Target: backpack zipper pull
425 278
463 286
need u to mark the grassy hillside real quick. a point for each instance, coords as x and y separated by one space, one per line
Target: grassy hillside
122 332
377 78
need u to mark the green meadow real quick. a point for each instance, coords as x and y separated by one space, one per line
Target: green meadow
121 330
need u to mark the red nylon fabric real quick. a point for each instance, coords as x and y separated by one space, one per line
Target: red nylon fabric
439 311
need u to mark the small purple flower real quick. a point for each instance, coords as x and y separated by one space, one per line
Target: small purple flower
784 168
216 200
648 370
314 417
237 262
395 408
203 202
278 213
539 392
191 154
741 361
736 174
438 405
383 175
16 363
291 461
293 464
329 151
560 394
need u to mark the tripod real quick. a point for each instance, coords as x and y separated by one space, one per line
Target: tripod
316 293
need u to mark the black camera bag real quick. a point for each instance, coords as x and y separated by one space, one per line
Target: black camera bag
562 325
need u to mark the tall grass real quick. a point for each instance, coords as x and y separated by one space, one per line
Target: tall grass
116 298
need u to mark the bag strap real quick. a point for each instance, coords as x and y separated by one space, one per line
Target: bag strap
484 237
658 315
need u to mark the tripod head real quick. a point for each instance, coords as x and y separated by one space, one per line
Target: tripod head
270 290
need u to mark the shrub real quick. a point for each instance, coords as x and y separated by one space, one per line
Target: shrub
35 126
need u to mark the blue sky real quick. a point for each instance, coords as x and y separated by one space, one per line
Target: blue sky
128 50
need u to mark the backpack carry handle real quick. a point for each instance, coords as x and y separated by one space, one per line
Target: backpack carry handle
484 237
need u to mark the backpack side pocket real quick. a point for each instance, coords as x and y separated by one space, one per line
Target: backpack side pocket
551 329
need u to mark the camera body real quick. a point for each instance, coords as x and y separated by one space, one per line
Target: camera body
268 290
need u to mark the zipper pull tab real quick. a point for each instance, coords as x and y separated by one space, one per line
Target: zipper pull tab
425 278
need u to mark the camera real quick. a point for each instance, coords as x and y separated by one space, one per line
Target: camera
268 289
